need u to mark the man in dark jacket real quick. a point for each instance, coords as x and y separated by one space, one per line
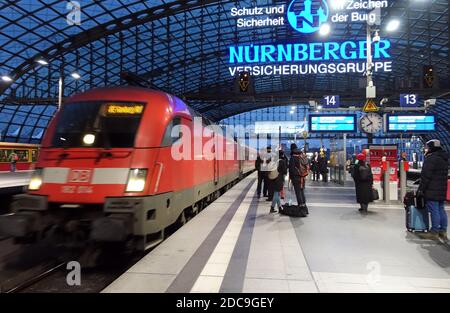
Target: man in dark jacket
261 174
433 186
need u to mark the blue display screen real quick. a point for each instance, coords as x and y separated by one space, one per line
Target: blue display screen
411 123
345 123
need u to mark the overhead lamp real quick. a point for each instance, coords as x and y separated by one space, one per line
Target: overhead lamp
42 62
293 107
392 25
324 29
75 75
7 79
292 112
319 107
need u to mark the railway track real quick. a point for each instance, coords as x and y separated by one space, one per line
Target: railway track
21 286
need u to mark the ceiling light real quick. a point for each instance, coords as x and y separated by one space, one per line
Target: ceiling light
7 79
42 62
393 25
324 29
75 75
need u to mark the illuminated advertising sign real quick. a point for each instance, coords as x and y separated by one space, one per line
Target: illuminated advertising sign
422 123
342 123
303 58
289 127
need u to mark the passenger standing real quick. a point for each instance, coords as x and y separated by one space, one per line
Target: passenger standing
13 158
362 175
278 182
261 173
267 164
283 156
433 186
323 166
298 170
315 166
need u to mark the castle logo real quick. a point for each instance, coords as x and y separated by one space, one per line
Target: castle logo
306 16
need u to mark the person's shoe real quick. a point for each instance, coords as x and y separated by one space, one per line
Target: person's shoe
268 199
361 210
429 236
272 210
443 236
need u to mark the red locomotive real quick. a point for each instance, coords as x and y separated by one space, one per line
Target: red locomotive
106 170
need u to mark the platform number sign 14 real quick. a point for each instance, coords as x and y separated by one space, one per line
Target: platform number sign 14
331 101
409 100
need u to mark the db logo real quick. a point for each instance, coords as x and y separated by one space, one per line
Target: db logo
79 176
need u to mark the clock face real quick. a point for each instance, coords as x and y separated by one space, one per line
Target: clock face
371 123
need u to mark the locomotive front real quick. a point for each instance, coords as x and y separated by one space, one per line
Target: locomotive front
96 161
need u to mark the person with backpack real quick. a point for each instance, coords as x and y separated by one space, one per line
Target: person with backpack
433 187
13 158
278 183
298 171
362 175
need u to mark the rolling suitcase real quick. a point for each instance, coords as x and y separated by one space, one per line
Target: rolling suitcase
417 220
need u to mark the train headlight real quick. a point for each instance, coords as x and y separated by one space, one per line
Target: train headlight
136 180
36 180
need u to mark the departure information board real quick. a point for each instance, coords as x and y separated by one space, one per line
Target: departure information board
410 123
342 123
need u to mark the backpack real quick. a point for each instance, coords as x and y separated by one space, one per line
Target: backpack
273 173
364 173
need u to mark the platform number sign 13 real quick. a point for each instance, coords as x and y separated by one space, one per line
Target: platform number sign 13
331 101
409 100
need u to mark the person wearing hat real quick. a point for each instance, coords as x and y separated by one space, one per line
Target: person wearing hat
433 187
362 175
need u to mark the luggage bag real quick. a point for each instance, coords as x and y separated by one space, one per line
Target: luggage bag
417 220
293 210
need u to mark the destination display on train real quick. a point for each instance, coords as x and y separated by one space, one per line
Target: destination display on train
123 109
345 123
411 123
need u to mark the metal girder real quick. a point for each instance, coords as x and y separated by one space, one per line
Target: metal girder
106 29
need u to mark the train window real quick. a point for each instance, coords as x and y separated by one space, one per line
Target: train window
170 138
113 125
34 155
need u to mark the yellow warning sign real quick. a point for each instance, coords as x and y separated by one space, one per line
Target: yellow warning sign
370 106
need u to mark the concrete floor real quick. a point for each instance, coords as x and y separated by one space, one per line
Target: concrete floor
235 245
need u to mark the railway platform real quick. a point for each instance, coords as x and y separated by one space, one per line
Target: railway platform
14 179
235 245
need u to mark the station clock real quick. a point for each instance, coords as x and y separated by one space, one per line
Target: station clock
371 123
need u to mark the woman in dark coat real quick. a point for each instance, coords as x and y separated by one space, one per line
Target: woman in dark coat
362 175
278 183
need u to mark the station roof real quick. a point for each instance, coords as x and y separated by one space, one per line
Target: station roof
181 46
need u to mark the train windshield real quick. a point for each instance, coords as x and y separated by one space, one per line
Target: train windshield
98 124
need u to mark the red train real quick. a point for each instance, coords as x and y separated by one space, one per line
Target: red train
27 155
107 172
